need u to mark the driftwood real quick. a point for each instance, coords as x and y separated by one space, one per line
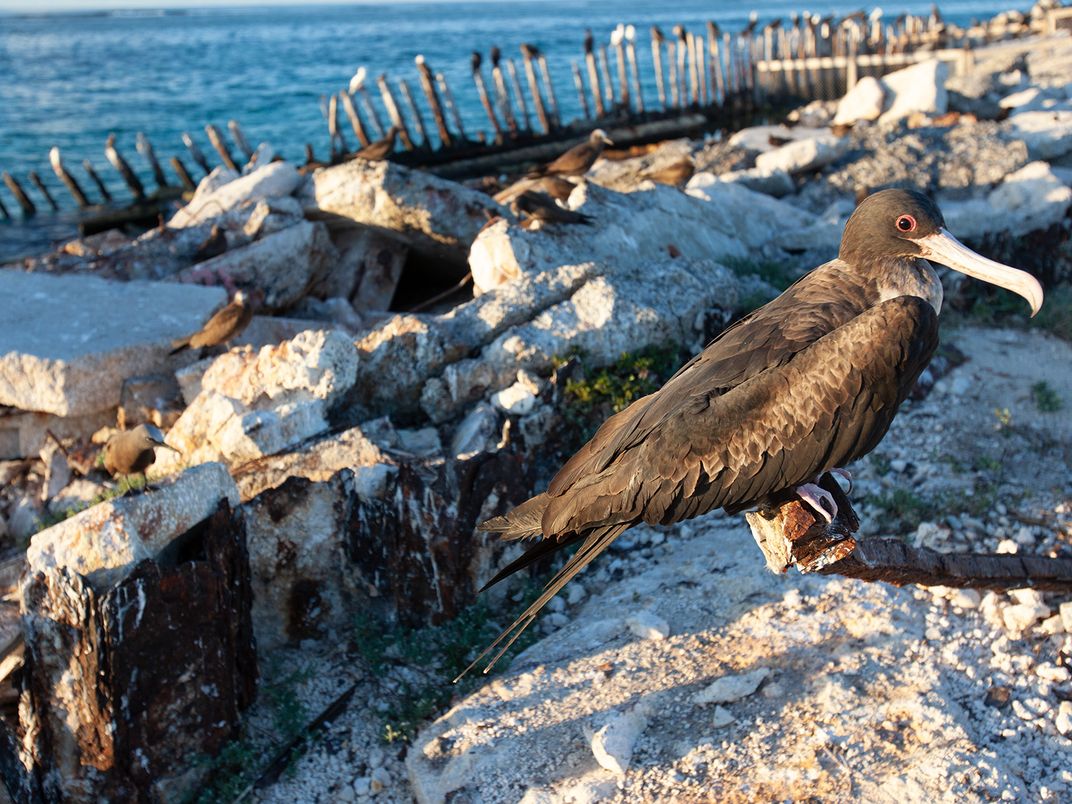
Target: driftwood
790 534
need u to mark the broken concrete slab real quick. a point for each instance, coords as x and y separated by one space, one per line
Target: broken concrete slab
104 543
800 156
62 350
919 88
1047 134
274 180
863 102
424 211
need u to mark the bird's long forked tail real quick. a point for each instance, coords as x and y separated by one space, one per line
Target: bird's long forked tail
594 543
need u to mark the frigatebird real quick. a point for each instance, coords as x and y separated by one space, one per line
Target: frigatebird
226 323
804 385
578 159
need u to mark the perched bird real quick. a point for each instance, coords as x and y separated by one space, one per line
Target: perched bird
227 323
541 207
578 159
131 452
803 385
380 149
555 186
674 174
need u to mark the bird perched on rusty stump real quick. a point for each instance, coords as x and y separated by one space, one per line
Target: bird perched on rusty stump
802 386
226 324
381 149
541 207
577 160
132 452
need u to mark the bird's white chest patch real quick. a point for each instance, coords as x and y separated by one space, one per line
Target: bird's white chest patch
921 280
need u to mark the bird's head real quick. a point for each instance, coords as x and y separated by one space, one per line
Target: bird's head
149 436
907 224
599 135
241 297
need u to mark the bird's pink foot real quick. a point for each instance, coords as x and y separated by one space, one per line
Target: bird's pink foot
846 475
819 500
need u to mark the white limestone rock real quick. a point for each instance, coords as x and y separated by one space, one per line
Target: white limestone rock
1047 134
732 688
106 541
63 348
919 88
227 191
800 156
1029 199
612 745
863 102
648 625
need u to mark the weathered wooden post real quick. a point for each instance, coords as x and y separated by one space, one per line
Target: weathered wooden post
657 41
354 118
3 211
593 73
185 179
357 87
478 78
608 85
634 69
502 96
681 54
528 54
215 137
578 82
415 113
35 180
69 181
338 142
393 111
87 166
28 208
139 644
239 139
145 148
448 101
428 86
195 153
519 94
123 167
617 37
549 88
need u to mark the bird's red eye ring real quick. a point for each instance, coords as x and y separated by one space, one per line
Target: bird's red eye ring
906 223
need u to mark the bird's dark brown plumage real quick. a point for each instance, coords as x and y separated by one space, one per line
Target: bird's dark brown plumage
809 382
544 209
131 452
226 323
577 160
381 149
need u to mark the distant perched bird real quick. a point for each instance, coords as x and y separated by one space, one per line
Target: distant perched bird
226 324
131 452
577 160
675 174
543 208
380 149
802 386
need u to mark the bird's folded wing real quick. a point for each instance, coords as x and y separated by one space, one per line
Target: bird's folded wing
827 405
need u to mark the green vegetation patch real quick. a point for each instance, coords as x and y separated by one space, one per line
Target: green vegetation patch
1046 398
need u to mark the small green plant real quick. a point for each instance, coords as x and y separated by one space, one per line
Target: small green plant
906 506
122 486
1046 398
1056 314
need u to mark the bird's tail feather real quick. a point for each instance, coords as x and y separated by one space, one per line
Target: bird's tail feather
595 543
179 345
524 522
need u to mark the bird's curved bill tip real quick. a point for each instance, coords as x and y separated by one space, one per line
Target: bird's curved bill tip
942 247
168 446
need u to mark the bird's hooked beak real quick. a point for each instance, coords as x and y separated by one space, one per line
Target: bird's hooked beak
942 247
161 443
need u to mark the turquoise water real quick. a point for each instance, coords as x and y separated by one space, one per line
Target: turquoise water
70 79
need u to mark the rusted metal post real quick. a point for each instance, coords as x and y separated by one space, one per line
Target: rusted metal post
608 84
195 153
528 54
185 179
87 166
671 69
69 181
682 47
616 39
35 180
634 70
215 137
357 87
519 94
338 142
593 74
28 208
145 148
502 96
354 118
714 64
3 211
448 101
239 139
415 113
428 86
552 101
657 40
121 165
393 111
578 82
478 78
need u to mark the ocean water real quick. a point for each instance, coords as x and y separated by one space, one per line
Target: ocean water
71 79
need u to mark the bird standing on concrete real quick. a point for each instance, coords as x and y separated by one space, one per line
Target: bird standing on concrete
380 149
805 384
577 160
541 207
225 325
131 452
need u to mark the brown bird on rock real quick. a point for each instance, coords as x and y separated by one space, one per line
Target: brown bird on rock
805 384
540 207
381 149
225 325
577 160
131 452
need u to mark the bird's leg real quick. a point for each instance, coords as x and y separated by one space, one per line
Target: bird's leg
819 500
846 475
